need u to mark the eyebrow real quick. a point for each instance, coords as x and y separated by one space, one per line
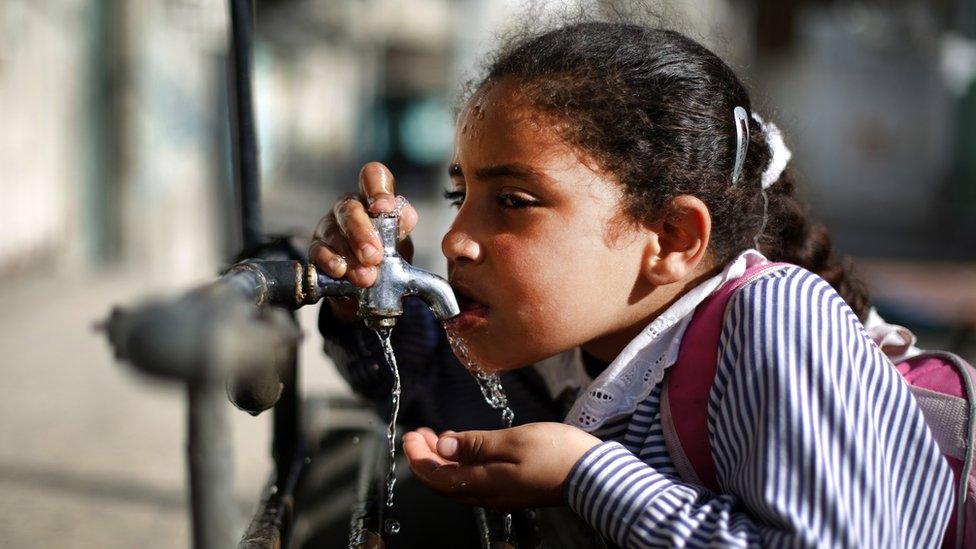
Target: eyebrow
516 171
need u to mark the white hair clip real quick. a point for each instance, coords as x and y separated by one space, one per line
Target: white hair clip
781 154
774 139
741 121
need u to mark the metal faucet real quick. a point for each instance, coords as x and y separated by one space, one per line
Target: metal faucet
173 337
288 283
381 303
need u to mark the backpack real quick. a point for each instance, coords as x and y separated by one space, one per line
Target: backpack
942 383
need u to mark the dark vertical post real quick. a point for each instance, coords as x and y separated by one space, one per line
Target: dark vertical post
245 148
211 468
284 442
243 131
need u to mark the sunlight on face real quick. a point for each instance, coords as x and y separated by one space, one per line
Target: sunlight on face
529 253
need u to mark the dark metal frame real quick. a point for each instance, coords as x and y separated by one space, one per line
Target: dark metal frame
271 525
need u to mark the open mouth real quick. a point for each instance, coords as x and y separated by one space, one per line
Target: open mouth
473 312
467 303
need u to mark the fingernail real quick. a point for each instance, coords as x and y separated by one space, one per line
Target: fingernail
336 263
447 447
381 204
367 251
363 272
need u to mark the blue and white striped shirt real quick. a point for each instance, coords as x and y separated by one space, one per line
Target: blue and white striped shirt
816 440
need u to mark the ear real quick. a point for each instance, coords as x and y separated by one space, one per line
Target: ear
680 241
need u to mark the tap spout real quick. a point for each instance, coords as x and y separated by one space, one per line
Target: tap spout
434 290
291 284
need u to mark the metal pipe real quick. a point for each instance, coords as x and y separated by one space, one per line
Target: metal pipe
215 520
366 520
244 135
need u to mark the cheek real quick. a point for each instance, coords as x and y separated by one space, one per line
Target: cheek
552 300
531 273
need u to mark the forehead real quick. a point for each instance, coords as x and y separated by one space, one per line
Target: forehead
498 123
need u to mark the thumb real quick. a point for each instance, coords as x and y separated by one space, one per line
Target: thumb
471 446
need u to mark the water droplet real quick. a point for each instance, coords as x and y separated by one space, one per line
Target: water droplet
391 526
508 416
355 440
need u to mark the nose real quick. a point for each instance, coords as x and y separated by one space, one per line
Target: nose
459 246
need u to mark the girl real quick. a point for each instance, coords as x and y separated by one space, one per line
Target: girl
609 178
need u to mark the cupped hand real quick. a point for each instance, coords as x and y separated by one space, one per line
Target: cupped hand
524 466
345 243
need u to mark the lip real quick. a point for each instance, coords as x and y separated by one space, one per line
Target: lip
473 311
469 319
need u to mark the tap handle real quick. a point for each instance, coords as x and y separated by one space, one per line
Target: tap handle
388 228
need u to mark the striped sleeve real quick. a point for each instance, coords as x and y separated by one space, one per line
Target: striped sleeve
816 439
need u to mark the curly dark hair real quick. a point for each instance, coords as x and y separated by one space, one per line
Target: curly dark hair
654 108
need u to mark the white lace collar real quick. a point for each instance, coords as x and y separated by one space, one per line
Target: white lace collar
640 366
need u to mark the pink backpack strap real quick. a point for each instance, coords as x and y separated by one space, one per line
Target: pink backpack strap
684 399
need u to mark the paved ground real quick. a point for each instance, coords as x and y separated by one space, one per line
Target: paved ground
91 454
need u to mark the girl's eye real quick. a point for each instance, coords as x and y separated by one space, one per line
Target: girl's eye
514 201
456 198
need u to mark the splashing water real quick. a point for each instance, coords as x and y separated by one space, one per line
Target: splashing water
384 335
491 388
489 383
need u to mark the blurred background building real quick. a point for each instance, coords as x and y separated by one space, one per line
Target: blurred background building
116 182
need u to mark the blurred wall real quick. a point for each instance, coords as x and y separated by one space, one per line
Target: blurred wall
42 71
112 128
115 149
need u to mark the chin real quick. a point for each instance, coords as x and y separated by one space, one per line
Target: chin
498 356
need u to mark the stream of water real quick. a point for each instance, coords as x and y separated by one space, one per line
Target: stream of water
494 394
391 526
491 388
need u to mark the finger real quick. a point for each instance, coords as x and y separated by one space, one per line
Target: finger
377 186
477 446
328 260
419 454
430 437
327 225
358 229
466 483
408 219
340 261
360 275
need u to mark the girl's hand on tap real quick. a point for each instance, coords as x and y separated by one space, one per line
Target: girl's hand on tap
345 244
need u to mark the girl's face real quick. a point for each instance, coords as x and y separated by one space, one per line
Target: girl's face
540 254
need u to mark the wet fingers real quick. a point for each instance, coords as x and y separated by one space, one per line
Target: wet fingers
356 226
377 185
327 260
